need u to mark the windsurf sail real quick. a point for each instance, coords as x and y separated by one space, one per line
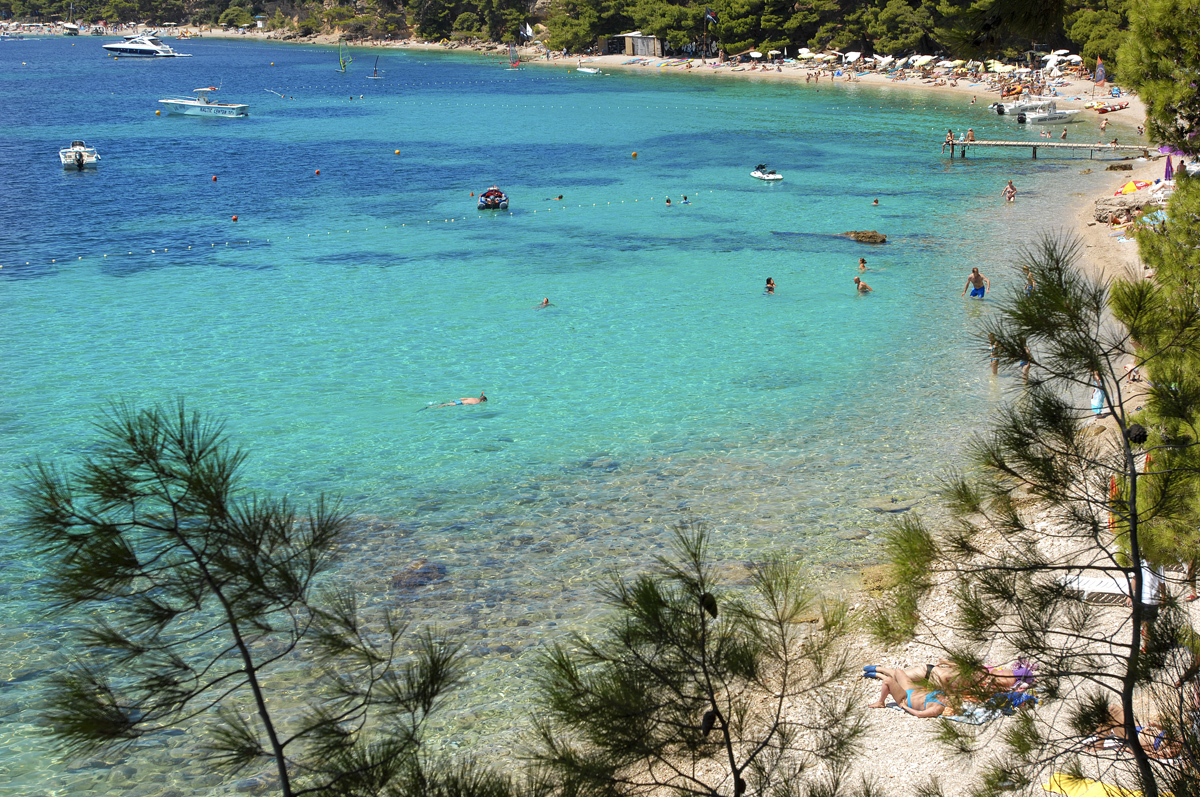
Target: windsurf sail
344 59
514 57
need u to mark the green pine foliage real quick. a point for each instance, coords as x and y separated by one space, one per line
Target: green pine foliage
187 595
699 689
1055 495
1161 59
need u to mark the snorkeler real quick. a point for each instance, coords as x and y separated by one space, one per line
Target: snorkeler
460 402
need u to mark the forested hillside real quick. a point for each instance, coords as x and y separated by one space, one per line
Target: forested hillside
954 27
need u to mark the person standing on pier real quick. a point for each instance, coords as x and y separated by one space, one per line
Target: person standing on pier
1009 192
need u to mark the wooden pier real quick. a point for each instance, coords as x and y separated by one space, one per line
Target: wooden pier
963 146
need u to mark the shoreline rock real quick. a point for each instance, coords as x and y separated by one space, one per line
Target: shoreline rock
866 236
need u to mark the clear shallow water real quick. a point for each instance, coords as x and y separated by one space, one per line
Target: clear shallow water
661 384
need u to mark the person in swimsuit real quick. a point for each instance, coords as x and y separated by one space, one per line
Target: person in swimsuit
907 693
995 359
459 402
545 303
1009 192
770 286
978 284
862 264
1030 285
668 201
862 286
1153 738
948 676
685 200
876 202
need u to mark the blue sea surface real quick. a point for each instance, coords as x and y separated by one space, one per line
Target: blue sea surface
660 384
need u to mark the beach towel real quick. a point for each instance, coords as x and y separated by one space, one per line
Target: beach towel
1062 783
975 715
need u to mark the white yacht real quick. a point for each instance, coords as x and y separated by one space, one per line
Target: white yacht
1023 104
79 156
201 105
143 46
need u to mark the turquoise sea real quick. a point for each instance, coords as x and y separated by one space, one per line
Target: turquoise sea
661 384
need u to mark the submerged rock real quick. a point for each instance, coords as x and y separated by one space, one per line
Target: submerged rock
1119 167
419 573
866 236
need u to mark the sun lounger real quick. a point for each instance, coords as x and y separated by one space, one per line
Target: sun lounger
1099 589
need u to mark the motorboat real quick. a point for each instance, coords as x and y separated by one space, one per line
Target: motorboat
202 105
143 45
1050 114
493 199
762 173
70 29
79 156
1023 104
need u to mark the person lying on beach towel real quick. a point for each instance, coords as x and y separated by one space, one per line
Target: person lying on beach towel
947 675
909 695
1154 738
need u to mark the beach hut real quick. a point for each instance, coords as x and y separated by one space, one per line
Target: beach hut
636 44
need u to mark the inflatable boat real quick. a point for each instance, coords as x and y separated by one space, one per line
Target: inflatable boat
493 199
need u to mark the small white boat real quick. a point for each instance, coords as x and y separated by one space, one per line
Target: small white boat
70 29
201 105
762 173
1023 104
587 70
79 156
143 46
1048 115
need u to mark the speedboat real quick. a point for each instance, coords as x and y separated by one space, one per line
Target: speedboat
143 46
493 199
1023 104
201 105
762 173
70 29
1050 114
79 156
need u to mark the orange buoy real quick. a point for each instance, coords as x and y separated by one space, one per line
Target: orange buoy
472 193
214 178
318 171
235 218
158 113
635 154
272 63
397 152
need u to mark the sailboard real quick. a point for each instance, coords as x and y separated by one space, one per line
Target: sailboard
344 59
375 75
514 57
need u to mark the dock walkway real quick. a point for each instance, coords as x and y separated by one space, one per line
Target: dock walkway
963 146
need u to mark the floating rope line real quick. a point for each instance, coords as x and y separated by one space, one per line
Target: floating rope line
404 225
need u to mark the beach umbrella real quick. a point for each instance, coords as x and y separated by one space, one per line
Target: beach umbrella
756 54
958 62
1075 59
774 52
1060 52
1167 150
922 60
852 57
884 60
1169 173
1131 187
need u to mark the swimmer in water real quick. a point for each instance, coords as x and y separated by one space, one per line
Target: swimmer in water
862 286
876 202
460 402
545 303
978 284
668 201
770 286
862 264
685 200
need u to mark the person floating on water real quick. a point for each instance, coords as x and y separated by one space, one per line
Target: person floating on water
862 286
978 284
1009 192
545 303
459 402
770 291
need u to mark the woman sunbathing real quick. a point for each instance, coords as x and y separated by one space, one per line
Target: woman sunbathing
907 693
1152 737
947 675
